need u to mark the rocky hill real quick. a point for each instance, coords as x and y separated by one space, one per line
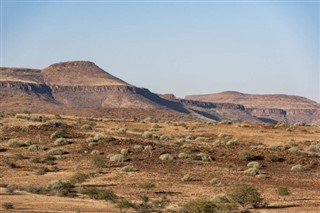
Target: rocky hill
276 107
83 88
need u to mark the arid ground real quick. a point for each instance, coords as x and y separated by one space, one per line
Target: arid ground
124 156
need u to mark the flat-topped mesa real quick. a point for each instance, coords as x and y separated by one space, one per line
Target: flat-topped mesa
279 101
79 73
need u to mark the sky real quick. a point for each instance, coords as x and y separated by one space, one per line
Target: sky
180 47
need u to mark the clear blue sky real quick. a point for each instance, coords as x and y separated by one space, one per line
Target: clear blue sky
173 47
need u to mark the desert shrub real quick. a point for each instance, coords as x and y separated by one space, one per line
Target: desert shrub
189 138
86 127
49 160
205 157
14 143
92 144
28 142
100 194
233 142
147 135
246 155
9 164
138 147
252 171
60 142
60 188
183 156
35 148
293 149
165 137
201 138
42 170
117 158
95 152
124 151
148 148
224 204
53 123
201 156
56 152
246 195
78 177
36 189
58 134
199 206
123 204
147 185
121 130
273 147
187 177
89 140
215 181
128 169
254 164
102 137
298 168
313 148
272 158
7 206
283 191
23 116
98 161
218 143
11 188
166 157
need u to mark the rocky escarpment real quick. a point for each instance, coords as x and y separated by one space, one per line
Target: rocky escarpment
11 87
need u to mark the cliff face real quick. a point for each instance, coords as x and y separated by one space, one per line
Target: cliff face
269 108
81 87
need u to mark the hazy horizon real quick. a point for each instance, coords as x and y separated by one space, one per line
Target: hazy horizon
184 48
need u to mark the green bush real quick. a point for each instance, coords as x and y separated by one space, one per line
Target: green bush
102 137
14 143
252 171
147 185
254 164
28 142
128 169
187 177
56 152
78 178
117 158
7 206
166 157
60 142
272 158
138 147
124 151
58 134
42 170
53 123
298 168
35 148
183 156
247 155
86 127
60 188
147 135
100 194
215 181
98 161
283 191
199 206
246 195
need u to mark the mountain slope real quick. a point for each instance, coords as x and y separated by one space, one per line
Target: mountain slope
275 107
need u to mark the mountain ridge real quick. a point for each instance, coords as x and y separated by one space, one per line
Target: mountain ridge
83 87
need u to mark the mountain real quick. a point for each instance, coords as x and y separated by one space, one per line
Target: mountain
82 88
277 107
